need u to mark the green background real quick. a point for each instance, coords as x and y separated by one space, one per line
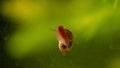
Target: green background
95 25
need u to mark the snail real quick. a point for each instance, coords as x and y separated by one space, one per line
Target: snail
65 39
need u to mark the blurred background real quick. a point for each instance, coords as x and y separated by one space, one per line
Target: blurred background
28 39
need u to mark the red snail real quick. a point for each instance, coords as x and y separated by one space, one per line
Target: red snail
65 39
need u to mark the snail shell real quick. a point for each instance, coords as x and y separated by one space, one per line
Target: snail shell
65 39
